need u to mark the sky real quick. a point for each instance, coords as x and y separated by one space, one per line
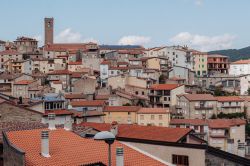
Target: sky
201 24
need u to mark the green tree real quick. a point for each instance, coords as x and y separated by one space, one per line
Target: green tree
247 129
213 116
248 91
162 79
218 91
127 104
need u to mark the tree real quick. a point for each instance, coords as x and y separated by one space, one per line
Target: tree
247 129
127 104
213 116
248 91
218 91
162 79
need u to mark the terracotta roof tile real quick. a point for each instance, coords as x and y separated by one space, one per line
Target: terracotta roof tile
89 103
9 52
60 72
24 82
75 63
229 98
143 132
199 97
188 122
74 96
67 148
102 97
164 86
58 112
225 123
121 108
57 82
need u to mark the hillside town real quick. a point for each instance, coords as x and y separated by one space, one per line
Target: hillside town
96 105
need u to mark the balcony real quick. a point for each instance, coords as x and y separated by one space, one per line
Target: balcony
231 106
178 107
154 94
204 107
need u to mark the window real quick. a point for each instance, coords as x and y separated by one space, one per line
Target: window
142 93
112 72
152 117
160 117
165 99
129 113
180 160
196 127
136 92
142 117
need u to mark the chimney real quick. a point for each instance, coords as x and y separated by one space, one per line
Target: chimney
119 156
68 125
114 128
45 144
51 117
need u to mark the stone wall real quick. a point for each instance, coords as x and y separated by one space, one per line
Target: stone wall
10 112
11 154
212 160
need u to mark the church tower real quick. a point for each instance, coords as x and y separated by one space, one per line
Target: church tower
49 30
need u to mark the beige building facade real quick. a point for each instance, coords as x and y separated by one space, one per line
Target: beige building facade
153 117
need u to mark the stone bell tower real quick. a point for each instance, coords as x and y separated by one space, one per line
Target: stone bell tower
49 30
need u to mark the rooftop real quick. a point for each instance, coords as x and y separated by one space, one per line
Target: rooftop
60 72
75 63
121 109
23 82
74 96
212 123
188 122
89 103
199 97
225 123
229 98
67 148
9 52
246 61
216 56
164 86
155 133
58 112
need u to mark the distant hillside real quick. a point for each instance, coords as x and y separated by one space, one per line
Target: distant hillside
234 54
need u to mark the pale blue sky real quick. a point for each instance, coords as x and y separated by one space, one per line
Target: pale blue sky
208 24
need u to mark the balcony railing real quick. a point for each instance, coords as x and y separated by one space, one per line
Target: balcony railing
204 107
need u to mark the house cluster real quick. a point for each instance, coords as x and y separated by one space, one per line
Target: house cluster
190 106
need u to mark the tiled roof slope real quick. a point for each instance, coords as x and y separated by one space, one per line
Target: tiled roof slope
67 148
143 132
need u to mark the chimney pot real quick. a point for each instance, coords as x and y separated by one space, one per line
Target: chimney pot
45 143
51 118
119 156
68 125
